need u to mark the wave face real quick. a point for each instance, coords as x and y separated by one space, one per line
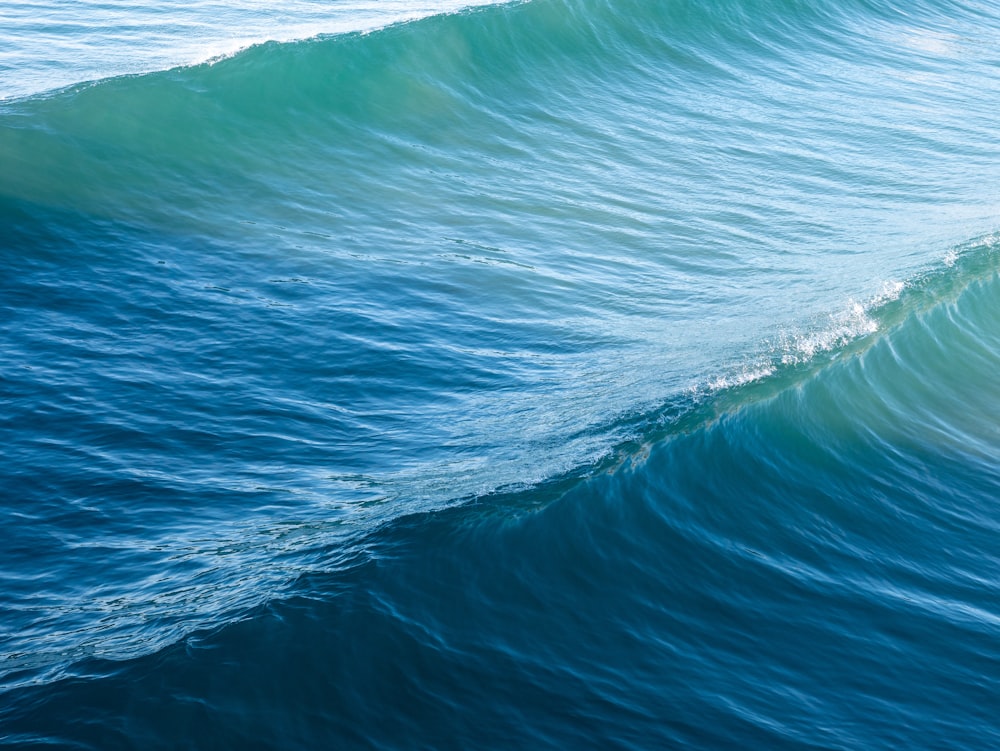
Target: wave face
567 373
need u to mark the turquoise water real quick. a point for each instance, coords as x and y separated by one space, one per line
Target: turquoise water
554 374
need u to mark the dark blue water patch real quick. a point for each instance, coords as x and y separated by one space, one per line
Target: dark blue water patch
597 622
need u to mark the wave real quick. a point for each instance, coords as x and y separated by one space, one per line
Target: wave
868 405
567 99
833 524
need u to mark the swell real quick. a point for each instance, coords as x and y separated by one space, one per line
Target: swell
283 135
354 95
780 576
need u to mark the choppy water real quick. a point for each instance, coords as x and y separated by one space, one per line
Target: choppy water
556 374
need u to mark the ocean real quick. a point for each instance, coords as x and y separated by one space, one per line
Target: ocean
556 374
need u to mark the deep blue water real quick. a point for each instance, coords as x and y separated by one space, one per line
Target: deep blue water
555 374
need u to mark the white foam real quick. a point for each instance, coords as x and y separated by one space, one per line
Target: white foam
844 327
854 321
745 374
889 291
